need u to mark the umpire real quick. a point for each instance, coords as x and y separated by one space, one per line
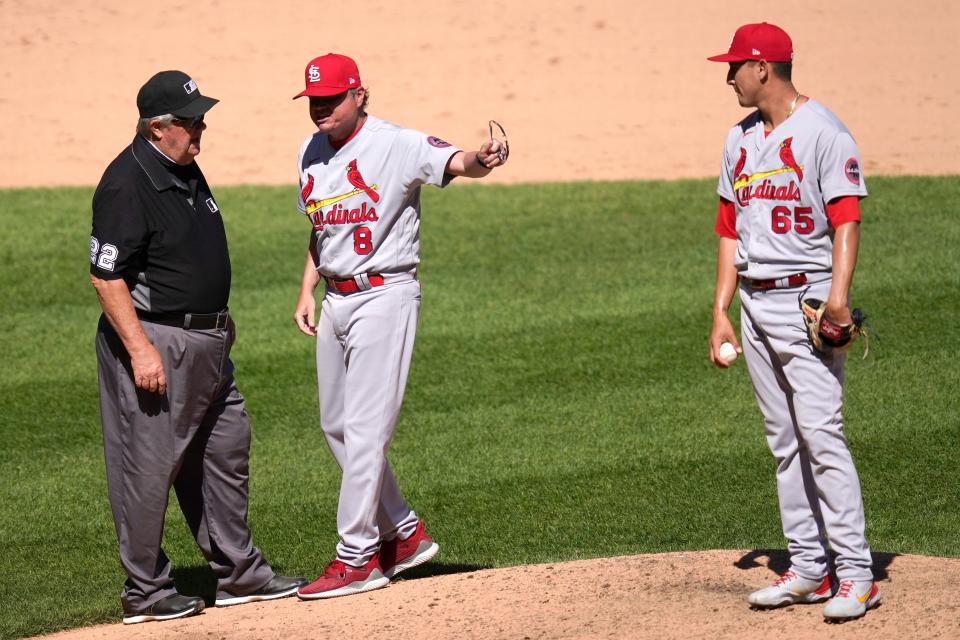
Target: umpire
169 404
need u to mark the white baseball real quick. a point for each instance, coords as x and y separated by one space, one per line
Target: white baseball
728 353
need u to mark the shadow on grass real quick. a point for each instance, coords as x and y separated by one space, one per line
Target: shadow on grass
778 561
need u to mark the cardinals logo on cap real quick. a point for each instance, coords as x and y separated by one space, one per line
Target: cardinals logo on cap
313 72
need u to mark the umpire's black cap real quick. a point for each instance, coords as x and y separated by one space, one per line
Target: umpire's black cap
172 92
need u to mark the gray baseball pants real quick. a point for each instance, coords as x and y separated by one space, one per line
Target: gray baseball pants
195 438
800 393
364 346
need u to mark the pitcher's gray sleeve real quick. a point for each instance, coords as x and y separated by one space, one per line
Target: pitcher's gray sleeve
838 161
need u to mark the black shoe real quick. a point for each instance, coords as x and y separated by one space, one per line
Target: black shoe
278 587
173 606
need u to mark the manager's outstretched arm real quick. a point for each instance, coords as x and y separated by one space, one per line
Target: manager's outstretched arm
477 164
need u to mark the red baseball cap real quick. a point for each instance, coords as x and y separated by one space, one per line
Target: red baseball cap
329 75
761 41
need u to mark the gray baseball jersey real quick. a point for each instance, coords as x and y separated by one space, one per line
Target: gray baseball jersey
781 183
364 199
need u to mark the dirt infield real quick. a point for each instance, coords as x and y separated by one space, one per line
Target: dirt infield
608 89
673 595
601 90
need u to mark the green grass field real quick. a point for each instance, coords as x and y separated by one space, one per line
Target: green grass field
561 404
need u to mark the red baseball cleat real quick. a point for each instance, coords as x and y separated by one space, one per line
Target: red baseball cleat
340 579
399 555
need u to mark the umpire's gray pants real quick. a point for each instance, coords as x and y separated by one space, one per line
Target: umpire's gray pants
195 438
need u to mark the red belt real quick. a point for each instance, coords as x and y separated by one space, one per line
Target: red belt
355 284
795 280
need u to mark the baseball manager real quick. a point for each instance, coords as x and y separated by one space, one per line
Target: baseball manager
360 183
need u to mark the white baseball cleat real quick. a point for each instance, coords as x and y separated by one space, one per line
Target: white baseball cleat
854 598
790 589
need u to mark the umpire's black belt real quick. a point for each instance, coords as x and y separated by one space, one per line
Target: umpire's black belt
198 321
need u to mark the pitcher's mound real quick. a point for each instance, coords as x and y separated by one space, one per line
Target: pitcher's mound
674 595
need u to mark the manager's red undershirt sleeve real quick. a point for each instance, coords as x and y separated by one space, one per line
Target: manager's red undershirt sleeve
726 225
843 210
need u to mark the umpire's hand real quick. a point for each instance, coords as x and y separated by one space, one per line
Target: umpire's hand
145 360
148 370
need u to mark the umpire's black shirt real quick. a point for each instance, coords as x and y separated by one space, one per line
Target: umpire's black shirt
157 226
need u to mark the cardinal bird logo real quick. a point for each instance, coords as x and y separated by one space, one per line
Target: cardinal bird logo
786 155
740 164
353 175
307 189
